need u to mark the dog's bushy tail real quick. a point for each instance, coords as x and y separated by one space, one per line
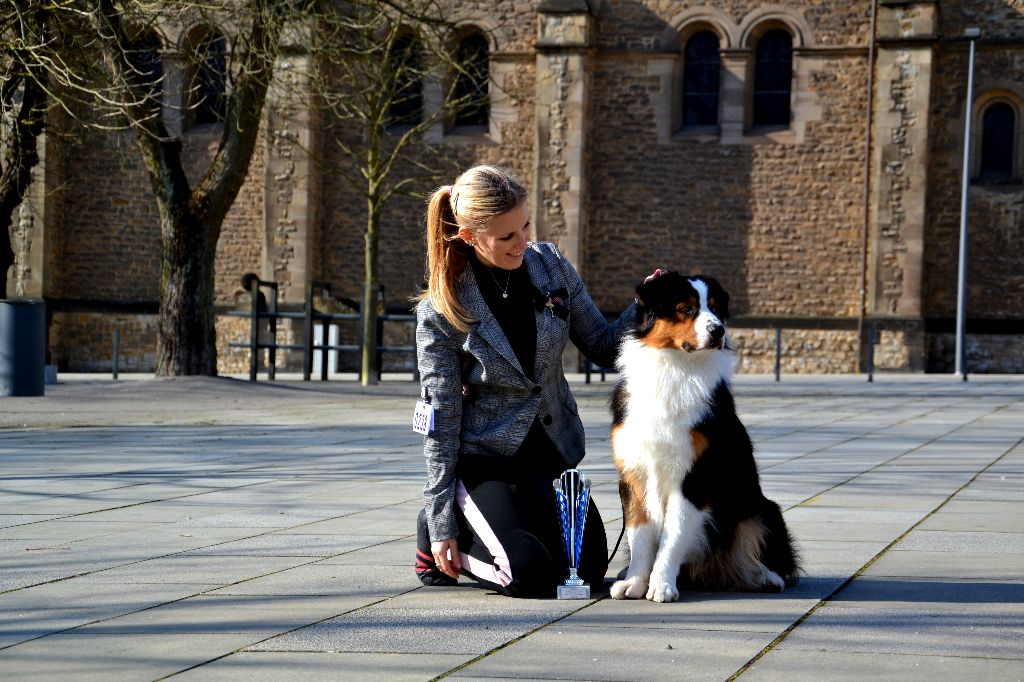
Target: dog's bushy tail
779 553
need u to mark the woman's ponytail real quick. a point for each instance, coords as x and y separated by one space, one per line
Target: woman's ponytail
447 257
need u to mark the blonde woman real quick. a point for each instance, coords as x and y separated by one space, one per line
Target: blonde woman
491 328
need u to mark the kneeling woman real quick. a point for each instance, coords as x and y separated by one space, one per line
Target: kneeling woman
491 328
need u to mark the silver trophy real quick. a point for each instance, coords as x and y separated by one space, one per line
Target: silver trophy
572 490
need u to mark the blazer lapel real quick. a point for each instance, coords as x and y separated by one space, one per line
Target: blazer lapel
549 327
488 327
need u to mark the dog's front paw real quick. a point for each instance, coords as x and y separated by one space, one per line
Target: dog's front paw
630 588
773 582
662 592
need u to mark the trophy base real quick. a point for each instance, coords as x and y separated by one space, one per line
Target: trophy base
574 591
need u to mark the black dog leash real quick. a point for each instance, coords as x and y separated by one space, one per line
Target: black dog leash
621 533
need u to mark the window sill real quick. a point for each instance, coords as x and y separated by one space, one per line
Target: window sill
770 135
398 129
204 128
468 135
698 134
998 186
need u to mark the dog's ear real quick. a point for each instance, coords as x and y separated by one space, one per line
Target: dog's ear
645 319
646 291
645 316
647 302
642 290
720 295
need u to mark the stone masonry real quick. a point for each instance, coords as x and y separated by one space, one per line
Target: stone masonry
845 219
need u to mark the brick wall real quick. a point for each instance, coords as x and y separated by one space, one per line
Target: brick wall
109 242
804 351
986 353
1002 19
110 235
115 225
777 223
84 342
240 248
996 225
995 278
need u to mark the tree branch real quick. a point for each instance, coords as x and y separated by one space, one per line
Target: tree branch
228 169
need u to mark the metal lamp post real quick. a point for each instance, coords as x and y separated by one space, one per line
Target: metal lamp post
960 368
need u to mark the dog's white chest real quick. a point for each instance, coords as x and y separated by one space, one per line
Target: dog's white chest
666 395
669 393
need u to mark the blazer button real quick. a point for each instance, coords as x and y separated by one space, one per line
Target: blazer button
535 390
547 420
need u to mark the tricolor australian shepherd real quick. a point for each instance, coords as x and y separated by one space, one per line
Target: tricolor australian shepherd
693 506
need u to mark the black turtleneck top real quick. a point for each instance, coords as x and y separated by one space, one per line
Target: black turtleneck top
514 312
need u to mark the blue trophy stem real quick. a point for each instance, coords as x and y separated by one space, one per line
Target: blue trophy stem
573 559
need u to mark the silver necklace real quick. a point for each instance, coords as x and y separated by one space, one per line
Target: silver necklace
504 292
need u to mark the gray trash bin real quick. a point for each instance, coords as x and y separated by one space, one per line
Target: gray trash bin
22 347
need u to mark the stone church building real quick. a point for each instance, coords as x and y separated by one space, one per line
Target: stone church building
807 153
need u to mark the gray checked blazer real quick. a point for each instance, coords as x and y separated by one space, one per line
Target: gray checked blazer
505 400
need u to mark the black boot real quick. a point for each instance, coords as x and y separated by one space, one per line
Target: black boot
426 570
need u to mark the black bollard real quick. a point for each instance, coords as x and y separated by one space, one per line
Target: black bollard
22 347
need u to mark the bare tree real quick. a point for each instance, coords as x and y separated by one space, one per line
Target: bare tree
377 58
99 62
191 217
22 113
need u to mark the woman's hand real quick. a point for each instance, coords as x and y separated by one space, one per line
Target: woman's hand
446 556
654 275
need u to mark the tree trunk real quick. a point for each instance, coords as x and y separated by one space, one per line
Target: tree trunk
20 156
371 285
191 218
186 342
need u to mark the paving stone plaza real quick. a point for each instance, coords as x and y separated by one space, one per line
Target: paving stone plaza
214 529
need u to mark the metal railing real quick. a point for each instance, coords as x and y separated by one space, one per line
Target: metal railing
871 335
264 306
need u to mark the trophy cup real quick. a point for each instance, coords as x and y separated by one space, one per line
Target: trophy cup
572 490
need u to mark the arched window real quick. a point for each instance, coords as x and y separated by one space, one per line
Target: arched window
210 82
701 77
998 142
406 107
773 78
472 107
147 68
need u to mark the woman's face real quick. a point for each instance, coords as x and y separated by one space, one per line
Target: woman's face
501 245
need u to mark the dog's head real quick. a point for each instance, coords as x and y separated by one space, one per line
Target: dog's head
683 312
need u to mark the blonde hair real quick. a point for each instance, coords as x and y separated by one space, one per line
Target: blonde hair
478 195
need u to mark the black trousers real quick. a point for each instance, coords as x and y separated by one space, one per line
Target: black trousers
510 538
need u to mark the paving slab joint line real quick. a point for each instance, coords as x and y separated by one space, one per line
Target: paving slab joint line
215 544
513 641
797 429
893 459
200 594
279 634
800 621
124 506
152 558
871 432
